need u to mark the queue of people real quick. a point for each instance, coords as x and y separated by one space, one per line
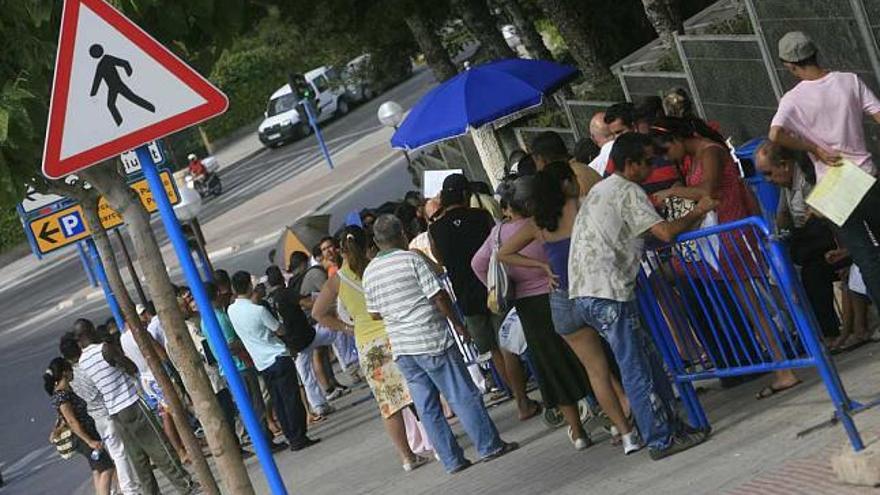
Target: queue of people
398 295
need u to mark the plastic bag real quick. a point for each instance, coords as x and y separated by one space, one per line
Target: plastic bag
511 336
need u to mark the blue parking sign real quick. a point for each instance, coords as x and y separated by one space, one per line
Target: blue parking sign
72 224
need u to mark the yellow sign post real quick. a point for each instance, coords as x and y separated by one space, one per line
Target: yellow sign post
67 226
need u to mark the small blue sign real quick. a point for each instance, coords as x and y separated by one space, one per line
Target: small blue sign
72 224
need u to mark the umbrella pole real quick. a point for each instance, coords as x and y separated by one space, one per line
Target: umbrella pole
491 155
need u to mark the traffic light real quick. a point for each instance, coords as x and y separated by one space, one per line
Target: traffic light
300 87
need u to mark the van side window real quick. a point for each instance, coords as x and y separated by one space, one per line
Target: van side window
321 84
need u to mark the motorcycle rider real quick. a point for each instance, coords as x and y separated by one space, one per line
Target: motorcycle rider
196 168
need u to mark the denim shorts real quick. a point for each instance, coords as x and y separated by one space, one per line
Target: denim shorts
562 309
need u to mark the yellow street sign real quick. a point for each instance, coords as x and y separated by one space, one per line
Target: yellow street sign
67 226
110 218
59 229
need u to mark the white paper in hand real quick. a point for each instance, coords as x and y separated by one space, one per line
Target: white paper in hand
840 191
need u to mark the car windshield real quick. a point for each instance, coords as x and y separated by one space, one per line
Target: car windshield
281 104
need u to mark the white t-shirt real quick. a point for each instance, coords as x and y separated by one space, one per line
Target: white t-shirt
600 163
131 349
606 240
830 112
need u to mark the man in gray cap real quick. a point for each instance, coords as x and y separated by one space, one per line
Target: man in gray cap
822 115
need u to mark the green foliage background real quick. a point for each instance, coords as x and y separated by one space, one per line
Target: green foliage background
11 233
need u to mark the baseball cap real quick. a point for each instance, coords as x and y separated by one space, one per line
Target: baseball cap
140 309
795 47
455 183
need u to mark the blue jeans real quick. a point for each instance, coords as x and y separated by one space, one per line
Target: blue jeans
644 379
428 376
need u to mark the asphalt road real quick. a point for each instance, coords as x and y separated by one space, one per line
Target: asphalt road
31 326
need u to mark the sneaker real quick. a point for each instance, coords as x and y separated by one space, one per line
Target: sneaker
506 448
417 462
461 467
334 394
680 443
582 443
308 443
278 447
631 442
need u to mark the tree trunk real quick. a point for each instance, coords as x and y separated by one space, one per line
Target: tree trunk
665 16
481 23
431 45
88 199
530 36
224 446
491 155
583 45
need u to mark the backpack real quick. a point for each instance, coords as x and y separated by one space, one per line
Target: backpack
498 283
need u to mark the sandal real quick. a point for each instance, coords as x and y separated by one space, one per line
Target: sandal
770 390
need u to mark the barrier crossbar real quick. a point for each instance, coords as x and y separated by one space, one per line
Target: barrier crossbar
725 301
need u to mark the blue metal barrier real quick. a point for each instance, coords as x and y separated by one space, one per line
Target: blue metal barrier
725 301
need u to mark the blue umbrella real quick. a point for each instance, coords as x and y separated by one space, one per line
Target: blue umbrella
479 96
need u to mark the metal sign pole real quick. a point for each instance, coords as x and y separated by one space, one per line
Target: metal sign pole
98 266
212 326
87 265
314 123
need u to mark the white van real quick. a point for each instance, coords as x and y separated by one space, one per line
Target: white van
282 122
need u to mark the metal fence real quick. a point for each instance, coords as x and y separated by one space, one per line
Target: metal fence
456 153
638 85
845 31
579 114
724 301
729 82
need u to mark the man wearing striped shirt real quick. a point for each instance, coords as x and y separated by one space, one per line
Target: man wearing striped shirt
106 368
402 290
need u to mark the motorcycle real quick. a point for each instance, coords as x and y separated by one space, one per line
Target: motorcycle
206 185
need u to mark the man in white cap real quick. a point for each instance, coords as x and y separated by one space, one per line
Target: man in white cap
823 115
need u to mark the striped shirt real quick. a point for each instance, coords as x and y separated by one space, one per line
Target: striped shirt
117 389
89 393
399 285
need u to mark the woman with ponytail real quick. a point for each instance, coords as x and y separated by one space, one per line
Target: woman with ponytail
72 412
385 380
555 202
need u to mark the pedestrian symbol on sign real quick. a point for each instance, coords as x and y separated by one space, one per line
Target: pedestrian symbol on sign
107 71
72 224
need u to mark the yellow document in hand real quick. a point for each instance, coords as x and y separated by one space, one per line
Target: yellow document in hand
840 191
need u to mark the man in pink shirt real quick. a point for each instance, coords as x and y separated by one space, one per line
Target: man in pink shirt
823 115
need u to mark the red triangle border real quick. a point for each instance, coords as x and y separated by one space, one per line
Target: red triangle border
53 166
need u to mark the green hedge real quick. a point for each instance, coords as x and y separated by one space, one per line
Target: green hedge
11 233
248 77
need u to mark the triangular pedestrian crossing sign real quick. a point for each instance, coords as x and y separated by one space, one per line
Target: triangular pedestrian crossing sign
115 89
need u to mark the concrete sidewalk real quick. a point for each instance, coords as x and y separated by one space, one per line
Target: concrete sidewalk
754 449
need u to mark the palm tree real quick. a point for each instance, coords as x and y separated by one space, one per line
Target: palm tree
583 45
665 16
526 28
481 23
